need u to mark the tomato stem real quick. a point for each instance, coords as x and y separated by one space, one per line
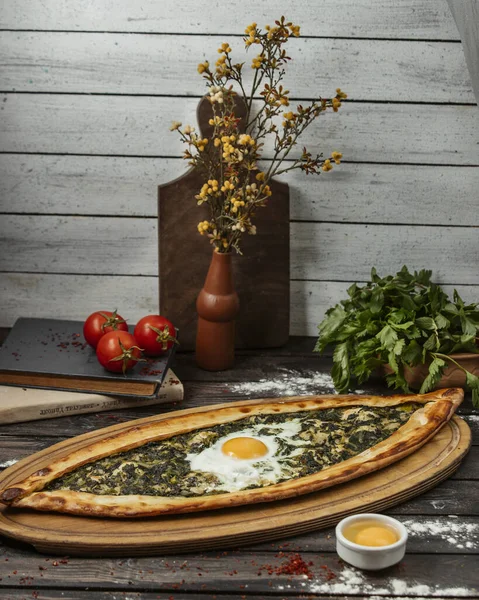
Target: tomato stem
164 336
111 321
127 355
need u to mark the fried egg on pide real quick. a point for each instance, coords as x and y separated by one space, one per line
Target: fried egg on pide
249 458
255 451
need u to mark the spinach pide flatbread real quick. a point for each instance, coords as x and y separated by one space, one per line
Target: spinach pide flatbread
246 452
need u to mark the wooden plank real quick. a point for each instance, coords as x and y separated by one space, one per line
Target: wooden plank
69 242
20 295
329 251
139 295
19 594
131 126
455 535
85 185
15 594
125 186
414 19
427 574
451 497
365 193
347 251
146 64
469 468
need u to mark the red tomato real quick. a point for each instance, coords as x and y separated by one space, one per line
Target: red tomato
155 334
118 351
101 322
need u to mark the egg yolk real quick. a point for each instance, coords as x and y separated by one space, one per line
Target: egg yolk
244 448
376 536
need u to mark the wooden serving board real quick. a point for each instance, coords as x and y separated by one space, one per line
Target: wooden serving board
261 274
226 528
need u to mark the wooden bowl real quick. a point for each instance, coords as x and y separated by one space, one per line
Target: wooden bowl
453 376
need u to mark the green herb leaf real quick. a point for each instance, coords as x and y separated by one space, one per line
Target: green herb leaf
412 354
468 327
340 371
472 382
377 301
441 321
426 323
333 321
435 371
431 343
403 326
387 337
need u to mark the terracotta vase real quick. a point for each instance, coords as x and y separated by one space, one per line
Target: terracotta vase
217 306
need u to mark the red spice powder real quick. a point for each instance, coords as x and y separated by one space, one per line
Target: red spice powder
295 565
328 573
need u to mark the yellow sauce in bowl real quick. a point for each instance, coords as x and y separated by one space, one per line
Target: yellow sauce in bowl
370 532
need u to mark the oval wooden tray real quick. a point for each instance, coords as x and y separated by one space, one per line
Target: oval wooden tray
66 534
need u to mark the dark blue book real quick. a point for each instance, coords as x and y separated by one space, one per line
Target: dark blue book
52 354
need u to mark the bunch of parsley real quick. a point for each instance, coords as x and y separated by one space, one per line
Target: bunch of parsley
402 320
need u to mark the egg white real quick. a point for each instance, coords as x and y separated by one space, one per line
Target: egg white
236 474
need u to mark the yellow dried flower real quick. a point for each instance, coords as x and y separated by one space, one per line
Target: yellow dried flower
267 190
228 185
200 144
244 139
203 227
175 125
336 156
224 48
340 93
295 30
327 166
202 67
260 176
336 104
256 64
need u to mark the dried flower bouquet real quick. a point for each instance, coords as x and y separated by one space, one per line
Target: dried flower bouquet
235 185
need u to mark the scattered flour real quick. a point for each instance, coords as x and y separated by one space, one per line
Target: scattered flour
289 383
8 463
473 418
457 533
353 582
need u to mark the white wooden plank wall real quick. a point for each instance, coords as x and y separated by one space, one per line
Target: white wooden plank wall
88 90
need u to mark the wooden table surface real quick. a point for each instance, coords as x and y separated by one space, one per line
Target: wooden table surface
442 555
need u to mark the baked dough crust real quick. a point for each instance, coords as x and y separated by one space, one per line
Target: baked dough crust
438 407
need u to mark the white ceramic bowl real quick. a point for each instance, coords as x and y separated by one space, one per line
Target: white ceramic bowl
371 558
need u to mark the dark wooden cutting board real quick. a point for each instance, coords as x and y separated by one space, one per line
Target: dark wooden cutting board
261 275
